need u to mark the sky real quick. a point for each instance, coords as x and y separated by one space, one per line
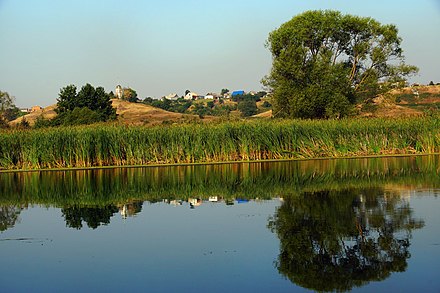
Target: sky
163 47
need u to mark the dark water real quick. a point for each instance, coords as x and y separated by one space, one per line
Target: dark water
336 225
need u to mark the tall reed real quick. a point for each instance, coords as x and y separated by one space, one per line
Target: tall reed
105 145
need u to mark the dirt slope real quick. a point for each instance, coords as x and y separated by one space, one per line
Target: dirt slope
47 113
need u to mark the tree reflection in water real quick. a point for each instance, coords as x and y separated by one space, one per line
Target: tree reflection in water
8 216
96 216
337 240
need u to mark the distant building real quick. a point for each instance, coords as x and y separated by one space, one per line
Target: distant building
36 108
25 110
172 97
119 92
213 199
237 93
191 96
211 96
194 202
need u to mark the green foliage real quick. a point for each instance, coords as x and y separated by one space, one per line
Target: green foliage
8 110
178 106
130 95
3 123
24 124
95 103
224 92
247 107
78 116
201 110
104 145
266 104
323 62
210 104
41 122
238 98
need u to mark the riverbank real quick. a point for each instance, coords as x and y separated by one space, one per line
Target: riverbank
254 140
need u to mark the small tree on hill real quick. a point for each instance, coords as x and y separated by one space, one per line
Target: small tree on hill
130 95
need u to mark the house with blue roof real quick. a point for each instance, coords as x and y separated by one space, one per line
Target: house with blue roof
237 93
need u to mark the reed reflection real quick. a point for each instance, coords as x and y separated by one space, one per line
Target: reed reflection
96 195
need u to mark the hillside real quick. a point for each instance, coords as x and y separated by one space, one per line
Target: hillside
408 101
128 113
141 114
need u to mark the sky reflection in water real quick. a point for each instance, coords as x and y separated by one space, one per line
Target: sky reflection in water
340 225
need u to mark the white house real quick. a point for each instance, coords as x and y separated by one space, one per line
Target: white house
191 96
172 97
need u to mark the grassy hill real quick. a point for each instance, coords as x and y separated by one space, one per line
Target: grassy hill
409 101
128 113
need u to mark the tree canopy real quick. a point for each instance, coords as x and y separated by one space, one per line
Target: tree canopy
324 61
87 106
8 110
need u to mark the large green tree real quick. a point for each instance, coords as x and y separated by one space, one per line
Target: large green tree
89 105
324 62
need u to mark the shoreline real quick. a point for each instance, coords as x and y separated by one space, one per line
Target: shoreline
6 171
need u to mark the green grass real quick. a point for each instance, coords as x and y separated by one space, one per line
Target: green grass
107 145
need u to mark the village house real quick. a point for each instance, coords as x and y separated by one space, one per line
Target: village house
36 108
191 96
212 96
172 97
237 93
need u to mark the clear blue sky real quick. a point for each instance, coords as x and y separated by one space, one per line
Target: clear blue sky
162 47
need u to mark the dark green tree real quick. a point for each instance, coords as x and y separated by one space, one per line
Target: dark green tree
247 107
324 62
89 105
337 240
224 92
8 110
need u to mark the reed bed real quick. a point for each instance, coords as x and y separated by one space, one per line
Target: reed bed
113 145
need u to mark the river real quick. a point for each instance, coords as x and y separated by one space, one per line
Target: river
323 225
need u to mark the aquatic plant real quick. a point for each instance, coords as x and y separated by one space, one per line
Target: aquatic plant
108 145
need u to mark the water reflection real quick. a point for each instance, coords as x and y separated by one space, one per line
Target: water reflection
9 215
336 240
342 223
245 181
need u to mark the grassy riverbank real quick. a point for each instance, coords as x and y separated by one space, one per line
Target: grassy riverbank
105 145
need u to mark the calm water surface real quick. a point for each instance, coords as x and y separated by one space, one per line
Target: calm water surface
367 225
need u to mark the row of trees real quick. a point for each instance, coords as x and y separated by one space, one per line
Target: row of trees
86 106
246 104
